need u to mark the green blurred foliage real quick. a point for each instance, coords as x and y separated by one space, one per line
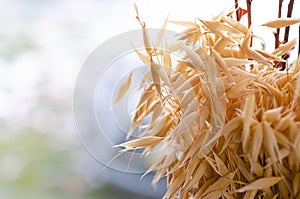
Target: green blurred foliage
33 165
15 44
112 192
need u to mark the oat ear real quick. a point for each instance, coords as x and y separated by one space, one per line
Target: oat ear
281 22
124 87
261 184
225 119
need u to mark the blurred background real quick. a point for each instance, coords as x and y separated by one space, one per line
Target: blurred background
42 47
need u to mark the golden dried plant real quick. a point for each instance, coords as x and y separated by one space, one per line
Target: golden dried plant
225 119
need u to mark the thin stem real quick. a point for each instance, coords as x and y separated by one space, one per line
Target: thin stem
299 44
237 11
286 33
249 2
289 14
277 33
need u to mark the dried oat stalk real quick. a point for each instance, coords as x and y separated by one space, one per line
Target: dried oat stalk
224 129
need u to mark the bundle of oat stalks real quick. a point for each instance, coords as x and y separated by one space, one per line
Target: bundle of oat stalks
225 119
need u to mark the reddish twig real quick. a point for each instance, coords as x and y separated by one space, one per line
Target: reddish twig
277 33
237 11
249 2
289 14
299 44
286 35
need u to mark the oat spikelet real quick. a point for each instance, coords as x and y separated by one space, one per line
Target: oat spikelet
279 23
